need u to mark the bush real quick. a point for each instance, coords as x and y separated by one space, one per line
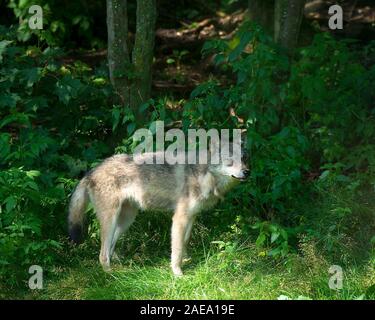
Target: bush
297 113
63 23
53 121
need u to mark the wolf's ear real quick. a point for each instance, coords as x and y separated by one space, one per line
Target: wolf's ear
244 146
244 138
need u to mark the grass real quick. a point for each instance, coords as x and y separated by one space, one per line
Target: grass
343 226
241 274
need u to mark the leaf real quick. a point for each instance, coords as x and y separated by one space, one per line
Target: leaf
274 252
144 106
32 185
116 112
36 102
4 144
10 203
284 133
260 240
9 100
99 81
67 88
284 234
55 244
244 40
152 127
3 45
33 173
31 76
274 236
324 175
219 58
130 128
342 178
20 118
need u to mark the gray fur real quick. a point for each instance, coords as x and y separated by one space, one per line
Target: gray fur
119 187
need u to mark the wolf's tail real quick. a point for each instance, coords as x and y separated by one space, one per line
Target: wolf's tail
77 207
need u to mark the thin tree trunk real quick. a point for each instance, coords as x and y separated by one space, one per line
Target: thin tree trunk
142 56
288 18
262 12
118 52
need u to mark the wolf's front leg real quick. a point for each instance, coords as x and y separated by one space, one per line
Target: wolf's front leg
180 224
187 237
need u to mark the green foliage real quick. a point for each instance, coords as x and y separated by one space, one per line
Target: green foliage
62 22
53 121
334 92
272 234
25 233
297 115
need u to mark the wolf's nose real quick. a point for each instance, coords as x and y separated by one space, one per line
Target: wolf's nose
246 173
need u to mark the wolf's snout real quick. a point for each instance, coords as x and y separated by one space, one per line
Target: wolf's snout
243 175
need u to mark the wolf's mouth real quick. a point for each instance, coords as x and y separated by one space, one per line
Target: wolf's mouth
239 178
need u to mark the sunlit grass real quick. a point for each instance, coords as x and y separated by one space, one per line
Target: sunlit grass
238 275
214 272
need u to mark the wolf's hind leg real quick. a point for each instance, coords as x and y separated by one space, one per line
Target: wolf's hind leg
125 219
107 230
180 223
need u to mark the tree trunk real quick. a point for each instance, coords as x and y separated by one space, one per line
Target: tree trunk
288 18
262 12
118 52
140 89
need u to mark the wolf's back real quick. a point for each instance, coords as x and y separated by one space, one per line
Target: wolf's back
77 207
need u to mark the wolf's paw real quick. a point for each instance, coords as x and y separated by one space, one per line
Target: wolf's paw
105 263
106 268
177 272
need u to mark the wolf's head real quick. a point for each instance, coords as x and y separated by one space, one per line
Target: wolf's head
231 161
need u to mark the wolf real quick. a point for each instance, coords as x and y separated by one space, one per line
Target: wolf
122 185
